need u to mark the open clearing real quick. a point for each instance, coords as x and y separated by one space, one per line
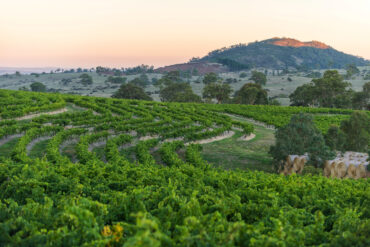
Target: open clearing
233 153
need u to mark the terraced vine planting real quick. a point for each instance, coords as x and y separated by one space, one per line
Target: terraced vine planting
124 172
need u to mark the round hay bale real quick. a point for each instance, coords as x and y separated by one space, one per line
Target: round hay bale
351 171
296 166
360 171
284 169
296 159
288 161
287 165
327 171
290 171
341 169
333 170
301 163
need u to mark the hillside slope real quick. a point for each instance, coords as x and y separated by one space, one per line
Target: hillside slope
281 53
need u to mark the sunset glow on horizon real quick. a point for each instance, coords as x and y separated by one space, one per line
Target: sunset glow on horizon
120 33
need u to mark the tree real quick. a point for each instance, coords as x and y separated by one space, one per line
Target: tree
298 137
141 81
258 77
131 91
100 70
351 70
218 91
329 87
86 79
178 92
335 138
353 134
357 132
329 91
173 76
232 65
243 75
38 87
210 78
168 78
251 94
361 100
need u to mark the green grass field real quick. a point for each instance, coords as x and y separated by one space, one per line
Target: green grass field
233 153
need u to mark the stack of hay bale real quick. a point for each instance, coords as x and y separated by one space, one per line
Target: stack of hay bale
347 165
294 164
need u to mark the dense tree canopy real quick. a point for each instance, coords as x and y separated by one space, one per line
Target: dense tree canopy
86 79
353 134
178 92
210 78
298 137
169 78
141 81
219 91
357 132
335 138
38 87
259 78
351 70
251 94
361 100
329 91
131 91
243 75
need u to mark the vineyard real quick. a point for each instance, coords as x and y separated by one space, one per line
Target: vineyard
113 172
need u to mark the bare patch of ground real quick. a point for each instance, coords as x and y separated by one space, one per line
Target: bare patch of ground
30 116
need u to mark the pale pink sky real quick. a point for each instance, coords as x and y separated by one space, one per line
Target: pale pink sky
120 33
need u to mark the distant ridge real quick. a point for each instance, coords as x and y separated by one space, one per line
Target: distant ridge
297 43
275 53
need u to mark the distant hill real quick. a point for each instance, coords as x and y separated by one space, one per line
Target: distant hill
280 53
195 68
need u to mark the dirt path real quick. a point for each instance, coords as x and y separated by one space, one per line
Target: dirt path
251 120
35 141
225 135
9 138
30 116
96 145
247 137
68 142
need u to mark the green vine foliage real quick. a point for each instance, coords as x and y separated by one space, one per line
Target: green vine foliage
169 196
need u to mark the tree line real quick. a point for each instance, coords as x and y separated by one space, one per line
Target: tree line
172 88
331 90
